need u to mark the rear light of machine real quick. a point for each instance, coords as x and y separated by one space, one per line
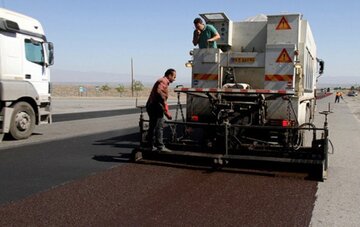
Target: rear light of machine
195 118
281 122
285 123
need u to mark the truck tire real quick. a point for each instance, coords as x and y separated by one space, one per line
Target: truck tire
307 134
309 115
22 121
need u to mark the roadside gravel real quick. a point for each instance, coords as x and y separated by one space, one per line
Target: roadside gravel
338 198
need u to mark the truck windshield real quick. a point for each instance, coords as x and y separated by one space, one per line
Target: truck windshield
34 51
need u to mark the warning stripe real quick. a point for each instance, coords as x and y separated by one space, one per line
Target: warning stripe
238 91
198 76
276 77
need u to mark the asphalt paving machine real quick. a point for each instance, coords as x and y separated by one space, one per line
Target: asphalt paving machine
253 98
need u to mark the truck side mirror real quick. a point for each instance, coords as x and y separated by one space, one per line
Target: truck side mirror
51 53
321 66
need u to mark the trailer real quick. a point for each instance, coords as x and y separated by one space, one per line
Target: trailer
25 57
254 97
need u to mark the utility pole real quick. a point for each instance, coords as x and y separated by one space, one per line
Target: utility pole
132 78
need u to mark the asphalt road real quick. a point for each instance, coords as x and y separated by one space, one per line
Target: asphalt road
78 174
30 169
88 180
338 198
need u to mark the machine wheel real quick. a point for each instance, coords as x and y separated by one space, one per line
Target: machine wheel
22 121
306 133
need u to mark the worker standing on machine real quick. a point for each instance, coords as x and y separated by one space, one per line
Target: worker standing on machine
205 34
156 108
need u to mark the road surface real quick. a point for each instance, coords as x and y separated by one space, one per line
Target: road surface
77 173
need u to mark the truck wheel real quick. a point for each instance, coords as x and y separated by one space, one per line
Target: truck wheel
307 134
309 118
22 121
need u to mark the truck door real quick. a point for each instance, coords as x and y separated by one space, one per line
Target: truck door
35 69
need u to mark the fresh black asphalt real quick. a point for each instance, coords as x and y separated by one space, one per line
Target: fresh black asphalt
28 169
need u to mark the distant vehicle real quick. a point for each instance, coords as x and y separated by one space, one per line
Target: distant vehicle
352 93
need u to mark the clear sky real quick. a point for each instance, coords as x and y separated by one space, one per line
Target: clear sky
102 36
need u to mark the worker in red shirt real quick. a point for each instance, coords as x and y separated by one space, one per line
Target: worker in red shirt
156 108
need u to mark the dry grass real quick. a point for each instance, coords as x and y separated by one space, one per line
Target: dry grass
61 90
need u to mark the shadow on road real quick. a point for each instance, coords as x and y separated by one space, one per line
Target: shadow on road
126 141
8 137
129 141
112 158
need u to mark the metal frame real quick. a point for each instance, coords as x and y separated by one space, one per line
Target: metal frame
181 145
315 155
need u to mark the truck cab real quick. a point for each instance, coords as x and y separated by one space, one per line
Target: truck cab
25 57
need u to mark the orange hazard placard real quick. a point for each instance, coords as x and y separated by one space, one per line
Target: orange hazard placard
283 24
284 57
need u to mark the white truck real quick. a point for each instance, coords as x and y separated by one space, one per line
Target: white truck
253 97
25 57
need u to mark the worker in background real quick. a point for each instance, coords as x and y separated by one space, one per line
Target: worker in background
156 108
205 35
338 95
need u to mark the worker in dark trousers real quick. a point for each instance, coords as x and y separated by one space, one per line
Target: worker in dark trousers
338 95
156 108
